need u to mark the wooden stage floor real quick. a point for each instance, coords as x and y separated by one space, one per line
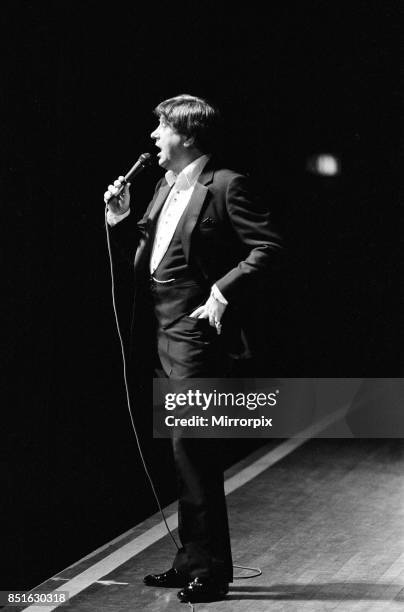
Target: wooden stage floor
324 521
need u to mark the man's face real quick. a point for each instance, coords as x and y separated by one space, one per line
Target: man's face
173 154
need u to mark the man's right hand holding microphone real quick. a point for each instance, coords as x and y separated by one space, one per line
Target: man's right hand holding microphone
118 205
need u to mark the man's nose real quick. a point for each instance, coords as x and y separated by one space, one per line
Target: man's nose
154 134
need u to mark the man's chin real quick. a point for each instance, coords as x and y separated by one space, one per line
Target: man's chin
162 162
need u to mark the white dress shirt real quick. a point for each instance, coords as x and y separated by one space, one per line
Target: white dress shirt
182 187
178 199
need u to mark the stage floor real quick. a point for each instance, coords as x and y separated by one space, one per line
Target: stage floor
323 520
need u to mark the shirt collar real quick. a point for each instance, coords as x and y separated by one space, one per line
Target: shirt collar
189 175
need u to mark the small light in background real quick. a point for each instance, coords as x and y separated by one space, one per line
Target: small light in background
324 164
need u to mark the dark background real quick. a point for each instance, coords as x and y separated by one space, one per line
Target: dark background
79 83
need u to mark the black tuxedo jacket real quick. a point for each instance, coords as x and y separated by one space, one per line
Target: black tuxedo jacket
227 236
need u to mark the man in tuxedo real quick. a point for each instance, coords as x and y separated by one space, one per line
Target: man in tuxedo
200 251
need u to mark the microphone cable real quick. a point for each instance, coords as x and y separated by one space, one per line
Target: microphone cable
257 571
125 379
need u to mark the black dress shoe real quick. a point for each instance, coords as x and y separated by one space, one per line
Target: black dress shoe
203 590
170 579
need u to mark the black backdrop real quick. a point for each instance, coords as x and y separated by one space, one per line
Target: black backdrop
79 83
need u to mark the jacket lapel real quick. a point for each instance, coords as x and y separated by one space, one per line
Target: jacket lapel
143 251
194 208
159 200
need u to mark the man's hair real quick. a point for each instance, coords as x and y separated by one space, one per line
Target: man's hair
192 117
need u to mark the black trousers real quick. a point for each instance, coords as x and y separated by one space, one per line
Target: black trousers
190 348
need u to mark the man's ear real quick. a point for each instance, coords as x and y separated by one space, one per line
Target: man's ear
189 142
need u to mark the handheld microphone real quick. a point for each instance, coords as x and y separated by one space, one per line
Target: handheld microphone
145 159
